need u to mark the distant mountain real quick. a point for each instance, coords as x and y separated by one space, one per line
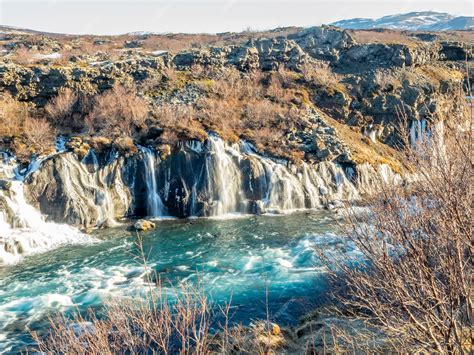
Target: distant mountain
425 21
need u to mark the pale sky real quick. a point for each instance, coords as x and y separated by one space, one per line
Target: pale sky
193 16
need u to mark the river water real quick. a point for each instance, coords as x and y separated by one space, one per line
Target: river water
239 258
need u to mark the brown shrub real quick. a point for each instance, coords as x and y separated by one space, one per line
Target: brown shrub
12 115
180 122
116 112
415 287
39 135
100 144
24 56
320 74
60 108
125 145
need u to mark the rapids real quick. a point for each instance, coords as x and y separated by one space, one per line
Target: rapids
233 258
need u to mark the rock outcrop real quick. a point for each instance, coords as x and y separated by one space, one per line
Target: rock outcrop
144 225
263 54
89 192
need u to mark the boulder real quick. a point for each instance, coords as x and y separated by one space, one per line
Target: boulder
144 225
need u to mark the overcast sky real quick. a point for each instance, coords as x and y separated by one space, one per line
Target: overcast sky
115 17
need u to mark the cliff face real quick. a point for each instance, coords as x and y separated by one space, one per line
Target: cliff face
197 179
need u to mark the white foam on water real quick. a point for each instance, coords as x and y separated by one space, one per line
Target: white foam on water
29 233
87 286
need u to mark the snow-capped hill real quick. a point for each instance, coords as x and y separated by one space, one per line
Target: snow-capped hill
424 20
461 22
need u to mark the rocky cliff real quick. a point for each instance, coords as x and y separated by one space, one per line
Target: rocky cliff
335 100
197 179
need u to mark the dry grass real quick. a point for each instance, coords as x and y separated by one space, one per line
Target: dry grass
386 80
365 151
25 56
321 74
382 36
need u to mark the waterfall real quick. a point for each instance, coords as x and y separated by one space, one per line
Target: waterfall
217 178
418 132
29 233
224 176
155 206
211 178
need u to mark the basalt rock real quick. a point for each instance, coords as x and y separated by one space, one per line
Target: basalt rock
88 193
263 54
366 56
323 43
40 83
197 179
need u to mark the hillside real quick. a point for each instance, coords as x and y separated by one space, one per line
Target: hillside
413 21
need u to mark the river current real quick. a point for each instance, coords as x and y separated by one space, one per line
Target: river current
232 258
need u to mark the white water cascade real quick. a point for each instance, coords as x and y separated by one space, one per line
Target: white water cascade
211 178
23 230
224 176
155 206
217 179
418 132
29 233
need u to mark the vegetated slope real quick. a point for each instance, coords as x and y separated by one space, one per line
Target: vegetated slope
266 88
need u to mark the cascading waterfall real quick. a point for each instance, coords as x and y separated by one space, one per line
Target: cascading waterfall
210 178
155 206
23 230
29 233
224 176
418 132
215 179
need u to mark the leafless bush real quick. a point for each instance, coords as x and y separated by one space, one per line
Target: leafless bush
12 115
320 74
39 134
117 111
180 122
416 284
168 324
385 80
25 56
61 107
